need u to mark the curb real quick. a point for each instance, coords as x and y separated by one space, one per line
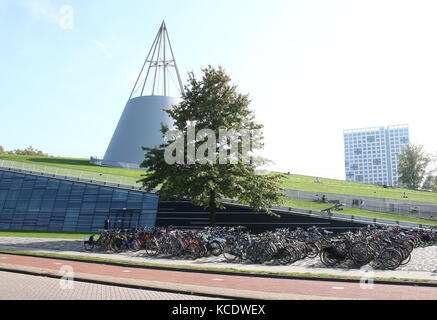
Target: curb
231 273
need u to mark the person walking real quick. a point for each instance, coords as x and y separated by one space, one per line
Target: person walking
107 223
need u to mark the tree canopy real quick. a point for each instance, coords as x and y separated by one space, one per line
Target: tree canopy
212 104
412 166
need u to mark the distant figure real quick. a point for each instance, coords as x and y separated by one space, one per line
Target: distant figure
405 196
323 198
107 223
317 180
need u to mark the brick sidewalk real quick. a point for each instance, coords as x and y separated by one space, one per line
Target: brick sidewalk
15 286
223 285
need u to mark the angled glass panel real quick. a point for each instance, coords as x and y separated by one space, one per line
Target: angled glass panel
134 205
10 204
120 195
3 194
50 194
22 205
135 196
25 194
35 205
13 194
91 190
41 182
92 198
102 205
37 193
106 191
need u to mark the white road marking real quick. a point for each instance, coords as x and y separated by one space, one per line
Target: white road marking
338 288
217 279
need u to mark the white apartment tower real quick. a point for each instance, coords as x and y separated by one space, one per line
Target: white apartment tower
370 154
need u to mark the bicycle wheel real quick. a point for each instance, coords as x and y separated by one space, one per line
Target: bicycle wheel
194 251
230 254
116 245
134 245
312 250
88 245
215 248
283 256
360 254
390 259
406 256
294 256
329 258
151 249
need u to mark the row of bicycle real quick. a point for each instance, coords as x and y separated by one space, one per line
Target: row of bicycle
387 248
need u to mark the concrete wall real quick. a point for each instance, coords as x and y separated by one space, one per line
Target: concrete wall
401 207
139 126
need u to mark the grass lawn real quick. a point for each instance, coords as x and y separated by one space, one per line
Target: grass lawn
297 182
307 183
44 234
309 205
71 163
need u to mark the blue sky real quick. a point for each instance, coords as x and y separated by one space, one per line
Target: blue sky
312 69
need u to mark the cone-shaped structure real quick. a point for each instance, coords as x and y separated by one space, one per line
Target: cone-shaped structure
140 123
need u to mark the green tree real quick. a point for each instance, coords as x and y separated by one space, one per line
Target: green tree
412 166
2 150
430 183
29 151
212 103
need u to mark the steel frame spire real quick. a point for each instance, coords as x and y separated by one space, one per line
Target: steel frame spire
156 70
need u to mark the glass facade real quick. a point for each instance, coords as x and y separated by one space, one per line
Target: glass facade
370 154
32 202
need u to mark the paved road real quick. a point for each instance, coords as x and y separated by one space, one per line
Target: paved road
15 286
255 286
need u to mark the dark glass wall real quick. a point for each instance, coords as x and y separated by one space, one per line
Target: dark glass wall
32 202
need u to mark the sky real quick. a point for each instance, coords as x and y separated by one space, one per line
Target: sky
312 69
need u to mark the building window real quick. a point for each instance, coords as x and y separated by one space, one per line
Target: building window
371 139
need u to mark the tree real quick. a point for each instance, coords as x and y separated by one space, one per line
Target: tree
29 151
2 150
213 104
430 183
413 162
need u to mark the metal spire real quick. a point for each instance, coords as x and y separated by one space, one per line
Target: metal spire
156 73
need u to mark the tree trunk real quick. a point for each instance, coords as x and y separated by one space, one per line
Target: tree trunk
212 209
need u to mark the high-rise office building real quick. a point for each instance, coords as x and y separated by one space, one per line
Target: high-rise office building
370 154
